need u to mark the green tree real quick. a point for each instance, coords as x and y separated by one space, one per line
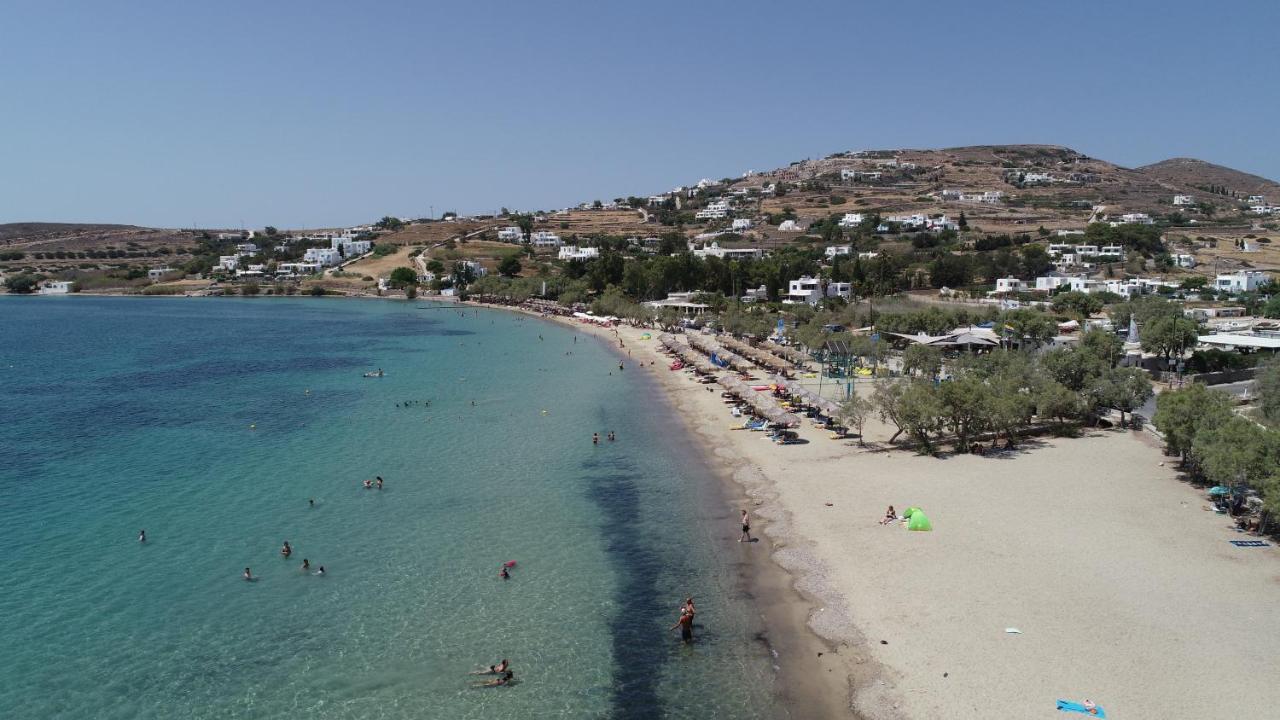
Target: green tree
1030 327
1081 305
20 284
509 266
1102 345
1170 337
1123 389
1236 452
1268 390
922 360
436 267
964 404
1181 414
402 277
855 411
1057 401
390 223
271 231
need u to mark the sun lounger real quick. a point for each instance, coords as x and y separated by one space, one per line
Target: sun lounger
1248 543
1075 707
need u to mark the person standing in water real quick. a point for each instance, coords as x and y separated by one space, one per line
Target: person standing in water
286 550
311 502
746 528
685 623
142 536
248 575
306 564
379 482
595 438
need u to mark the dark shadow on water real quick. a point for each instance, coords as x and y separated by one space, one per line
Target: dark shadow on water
638 649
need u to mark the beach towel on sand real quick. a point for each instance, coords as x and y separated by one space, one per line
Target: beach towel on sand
1248 543
1075 707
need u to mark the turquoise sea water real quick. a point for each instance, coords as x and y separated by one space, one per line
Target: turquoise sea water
209 423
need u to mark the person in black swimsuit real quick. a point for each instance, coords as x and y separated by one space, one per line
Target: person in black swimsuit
746 528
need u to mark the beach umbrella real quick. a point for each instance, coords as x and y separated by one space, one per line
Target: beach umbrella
919 521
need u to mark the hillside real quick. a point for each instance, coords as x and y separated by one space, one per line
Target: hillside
1189 172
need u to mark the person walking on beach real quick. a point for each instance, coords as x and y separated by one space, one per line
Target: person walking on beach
685 623
746 528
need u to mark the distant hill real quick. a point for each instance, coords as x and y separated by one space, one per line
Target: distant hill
1198 173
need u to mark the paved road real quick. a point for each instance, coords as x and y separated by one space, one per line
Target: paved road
1242 389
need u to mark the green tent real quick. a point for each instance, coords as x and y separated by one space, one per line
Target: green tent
918 521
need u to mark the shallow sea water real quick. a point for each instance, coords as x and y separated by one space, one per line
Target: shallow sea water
211 422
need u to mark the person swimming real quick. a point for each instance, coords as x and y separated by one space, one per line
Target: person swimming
368 484
142 536
320 571
498 669
503 679
379 482
248 575
595 438
311 502
306 564
502 573
286 550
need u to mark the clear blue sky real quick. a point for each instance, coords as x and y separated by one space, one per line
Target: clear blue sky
317 113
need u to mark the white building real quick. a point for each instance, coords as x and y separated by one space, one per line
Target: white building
852 220
247 249
714 250
298 268
228 262
1182 200
1261 209
741 225
859 175
1185 261
1242 281
806 290
1034 178
835 250
657 199
475 267
1136 219
760 294
714 211
789 226
1069 233
325 257
1257 199
511 234
56 287
157 273
349 246
941 223
544 238
1049 283
1010 285
573 252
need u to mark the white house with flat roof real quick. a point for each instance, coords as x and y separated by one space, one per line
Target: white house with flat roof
510 233
741 225
1049 283
573 252
805 290
1136 219
298 268
1010 285
228 262
714 211
157 273
852 220
1183 200
714 250
56 287
1242 281
248 249
322 256
544 238
836 250
349 246
789 226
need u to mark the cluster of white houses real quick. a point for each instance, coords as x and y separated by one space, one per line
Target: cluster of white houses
1237 282
986 197
343 246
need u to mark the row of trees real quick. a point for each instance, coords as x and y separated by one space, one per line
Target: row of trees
1003 393
1219 447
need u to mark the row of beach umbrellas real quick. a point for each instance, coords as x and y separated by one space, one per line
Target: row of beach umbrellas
687 354
763 404
824 405
709 346
763 358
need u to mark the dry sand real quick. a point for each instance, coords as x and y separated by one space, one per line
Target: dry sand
1125 590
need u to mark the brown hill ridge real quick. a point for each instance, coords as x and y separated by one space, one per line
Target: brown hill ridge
1198 173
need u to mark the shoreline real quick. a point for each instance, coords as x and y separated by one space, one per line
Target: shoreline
806 627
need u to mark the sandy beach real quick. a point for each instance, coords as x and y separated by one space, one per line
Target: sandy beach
1124 590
